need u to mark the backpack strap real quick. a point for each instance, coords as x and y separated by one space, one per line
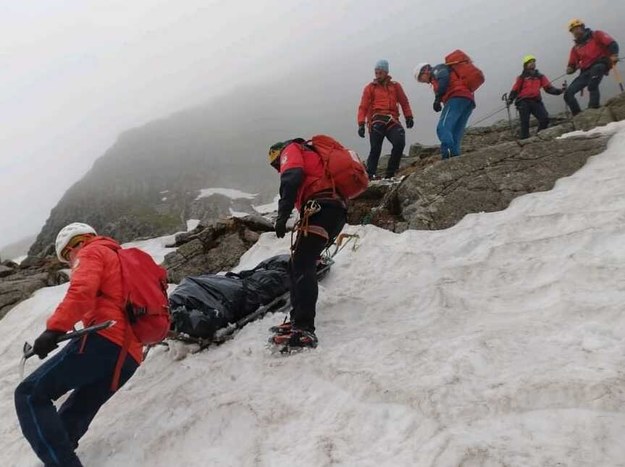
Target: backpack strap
123 353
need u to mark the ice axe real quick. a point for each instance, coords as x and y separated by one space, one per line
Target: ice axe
28 349
617 77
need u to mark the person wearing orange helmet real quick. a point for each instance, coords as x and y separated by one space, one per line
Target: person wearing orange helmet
593 54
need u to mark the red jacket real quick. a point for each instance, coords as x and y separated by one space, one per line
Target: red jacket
528 86
300 171
382 98
95 294
448 84
592 47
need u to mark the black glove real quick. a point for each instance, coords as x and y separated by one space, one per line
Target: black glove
409 122
437 105
280 226
361 131
509 102
46 343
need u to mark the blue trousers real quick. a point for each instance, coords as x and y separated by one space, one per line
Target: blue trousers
88 372
452 124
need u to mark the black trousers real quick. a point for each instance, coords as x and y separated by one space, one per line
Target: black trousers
396 134
304 287
536 108
590 78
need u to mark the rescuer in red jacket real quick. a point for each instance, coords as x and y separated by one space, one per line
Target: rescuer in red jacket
85 365
594 54
323 214
379 110
526 93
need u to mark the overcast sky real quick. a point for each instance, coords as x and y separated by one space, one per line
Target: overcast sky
77 73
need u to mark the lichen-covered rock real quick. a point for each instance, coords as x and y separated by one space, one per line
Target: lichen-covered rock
488 179
617 107
217 247
591 118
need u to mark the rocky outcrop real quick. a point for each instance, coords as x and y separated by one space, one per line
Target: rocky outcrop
431 194
489 179
217 247
17 283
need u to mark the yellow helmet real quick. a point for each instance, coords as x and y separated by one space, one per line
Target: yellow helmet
274 154
528 58
574 23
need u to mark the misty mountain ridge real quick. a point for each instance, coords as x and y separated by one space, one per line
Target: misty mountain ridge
219 144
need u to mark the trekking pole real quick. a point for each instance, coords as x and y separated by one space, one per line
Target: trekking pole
504 98
28 349
617 77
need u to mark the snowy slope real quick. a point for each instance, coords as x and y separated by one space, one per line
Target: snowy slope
498 342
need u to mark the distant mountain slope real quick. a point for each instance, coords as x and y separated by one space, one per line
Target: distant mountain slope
218 145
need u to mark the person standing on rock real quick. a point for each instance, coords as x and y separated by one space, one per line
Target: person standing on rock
526 94
594 54
379 110
85 365
323 214
452 93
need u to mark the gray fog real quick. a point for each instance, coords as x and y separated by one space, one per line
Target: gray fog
78 73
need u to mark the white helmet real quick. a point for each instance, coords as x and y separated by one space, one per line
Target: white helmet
67 233
418 69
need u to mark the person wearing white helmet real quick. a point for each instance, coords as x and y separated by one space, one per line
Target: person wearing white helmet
452 93
86 365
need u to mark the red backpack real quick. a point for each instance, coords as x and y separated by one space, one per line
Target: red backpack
345 172
464 68
145 293
146 303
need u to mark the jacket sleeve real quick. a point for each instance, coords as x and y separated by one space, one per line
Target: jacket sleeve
607 41
548 87
80 298
291 178
516 87
365 102
403 101
441 74
573 58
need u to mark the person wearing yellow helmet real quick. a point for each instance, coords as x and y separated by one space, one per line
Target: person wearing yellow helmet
527 96
306 186
593 54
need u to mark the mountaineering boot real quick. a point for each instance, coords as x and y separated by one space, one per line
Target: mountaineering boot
281 329
296 338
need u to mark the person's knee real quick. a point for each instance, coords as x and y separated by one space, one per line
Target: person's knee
569 95
593 85
22 392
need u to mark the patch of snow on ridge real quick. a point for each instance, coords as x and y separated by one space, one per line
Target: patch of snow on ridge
227 192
